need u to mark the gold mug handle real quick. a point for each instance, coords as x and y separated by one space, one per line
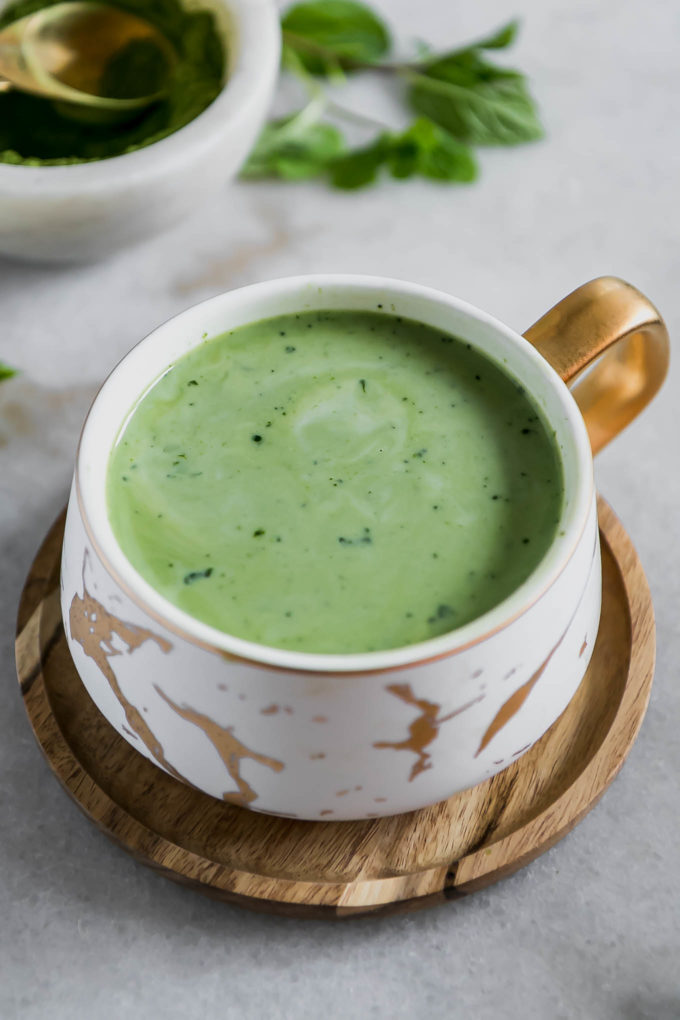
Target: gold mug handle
610 329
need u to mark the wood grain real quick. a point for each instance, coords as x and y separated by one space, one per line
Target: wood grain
338 869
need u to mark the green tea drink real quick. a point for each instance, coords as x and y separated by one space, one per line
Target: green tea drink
335 482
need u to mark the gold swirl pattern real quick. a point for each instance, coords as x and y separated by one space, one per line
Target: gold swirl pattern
424 729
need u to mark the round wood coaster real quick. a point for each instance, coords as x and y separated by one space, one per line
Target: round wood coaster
338 869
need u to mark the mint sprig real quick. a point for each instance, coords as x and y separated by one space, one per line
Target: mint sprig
335 34
460 96
474 99
424 150
295 147
6 371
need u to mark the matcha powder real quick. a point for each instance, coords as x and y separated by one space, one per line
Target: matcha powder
33 133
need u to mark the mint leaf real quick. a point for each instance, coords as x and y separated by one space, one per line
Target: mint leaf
359 167
465 67
424 149
294 148
429 151
493 111
477 101
328 34
503 37
6 371
469 61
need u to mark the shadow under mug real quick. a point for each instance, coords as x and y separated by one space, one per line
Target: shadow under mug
333 737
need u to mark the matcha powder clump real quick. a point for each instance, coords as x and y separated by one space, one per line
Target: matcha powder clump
32 132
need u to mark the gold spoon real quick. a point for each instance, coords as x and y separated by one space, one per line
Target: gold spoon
103 62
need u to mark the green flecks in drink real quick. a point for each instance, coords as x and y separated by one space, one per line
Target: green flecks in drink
378 488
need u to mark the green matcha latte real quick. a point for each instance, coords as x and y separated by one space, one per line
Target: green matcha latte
335 482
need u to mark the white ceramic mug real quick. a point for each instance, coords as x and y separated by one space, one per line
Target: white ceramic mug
358 736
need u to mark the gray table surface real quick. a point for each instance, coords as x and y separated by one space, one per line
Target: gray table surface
590 930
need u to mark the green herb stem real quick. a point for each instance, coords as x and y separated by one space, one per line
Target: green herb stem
459 97
352 117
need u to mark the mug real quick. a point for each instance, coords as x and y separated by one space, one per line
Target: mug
330 737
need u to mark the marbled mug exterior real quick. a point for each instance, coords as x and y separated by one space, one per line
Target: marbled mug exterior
324 736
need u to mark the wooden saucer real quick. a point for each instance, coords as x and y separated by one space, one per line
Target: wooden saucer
338 869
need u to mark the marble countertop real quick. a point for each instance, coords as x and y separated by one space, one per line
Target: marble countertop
591 929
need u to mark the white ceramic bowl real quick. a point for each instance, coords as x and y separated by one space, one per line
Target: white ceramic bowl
339 736
85 211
